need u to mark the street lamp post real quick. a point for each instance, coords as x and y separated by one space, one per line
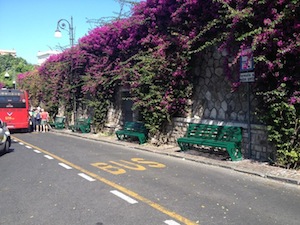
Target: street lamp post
61 24
68 26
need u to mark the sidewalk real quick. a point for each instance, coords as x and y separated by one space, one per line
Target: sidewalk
245 166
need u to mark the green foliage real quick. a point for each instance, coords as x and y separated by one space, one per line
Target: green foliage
99 107
283 122
157 89
149 93
13 66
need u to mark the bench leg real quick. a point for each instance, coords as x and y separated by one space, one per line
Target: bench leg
234 153
142 140
82 129
86 129
183 146
120 136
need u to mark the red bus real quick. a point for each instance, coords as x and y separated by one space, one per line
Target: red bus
14 108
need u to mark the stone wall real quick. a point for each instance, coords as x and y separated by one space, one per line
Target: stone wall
213 97
213 102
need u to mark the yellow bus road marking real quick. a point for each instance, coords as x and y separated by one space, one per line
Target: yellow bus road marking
118 187
136 164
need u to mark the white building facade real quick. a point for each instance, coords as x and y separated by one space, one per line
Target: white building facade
8 52
43 56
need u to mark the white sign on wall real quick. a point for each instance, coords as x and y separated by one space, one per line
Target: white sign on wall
247 77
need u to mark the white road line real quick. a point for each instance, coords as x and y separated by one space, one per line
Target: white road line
48 156
124 197
65 166
86 177
28 147
171 222
36 151
21 143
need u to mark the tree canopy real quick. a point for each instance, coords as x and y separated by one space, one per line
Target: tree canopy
13 66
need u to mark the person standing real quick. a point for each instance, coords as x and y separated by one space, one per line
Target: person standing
37 120
44 120
32 115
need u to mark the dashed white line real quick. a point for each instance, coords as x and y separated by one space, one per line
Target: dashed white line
86 177
48 156
21 143
65 166
171 222
36 151
124 197
28 146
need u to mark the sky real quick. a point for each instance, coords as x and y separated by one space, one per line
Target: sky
28 26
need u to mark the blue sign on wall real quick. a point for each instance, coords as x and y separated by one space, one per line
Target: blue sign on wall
246 61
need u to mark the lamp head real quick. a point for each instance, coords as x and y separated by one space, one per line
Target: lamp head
57 34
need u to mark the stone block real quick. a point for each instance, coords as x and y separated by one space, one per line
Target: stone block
208 95
224 105
206 113
241 116
221 114
257 155
233 116
219 72
217 55
213 114
217 63
208 73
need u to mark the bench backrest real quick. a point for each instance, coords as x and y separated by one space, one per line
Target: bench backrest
214 132
59 119
135 126
82 121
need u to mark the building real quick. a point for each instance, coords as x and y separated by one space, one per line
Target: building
8 52
43 56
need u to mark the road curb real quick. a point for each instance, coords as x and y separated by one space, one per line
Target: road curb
283 179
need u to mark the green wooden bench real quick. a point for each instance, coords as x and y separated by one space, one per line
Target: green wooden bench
59 122
133 129
215 136
82 124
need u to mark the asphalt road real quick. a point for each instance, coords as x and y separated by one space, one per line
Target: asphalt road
50 178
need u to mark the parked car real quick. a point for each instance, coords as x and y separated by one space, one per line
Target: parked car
5 139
